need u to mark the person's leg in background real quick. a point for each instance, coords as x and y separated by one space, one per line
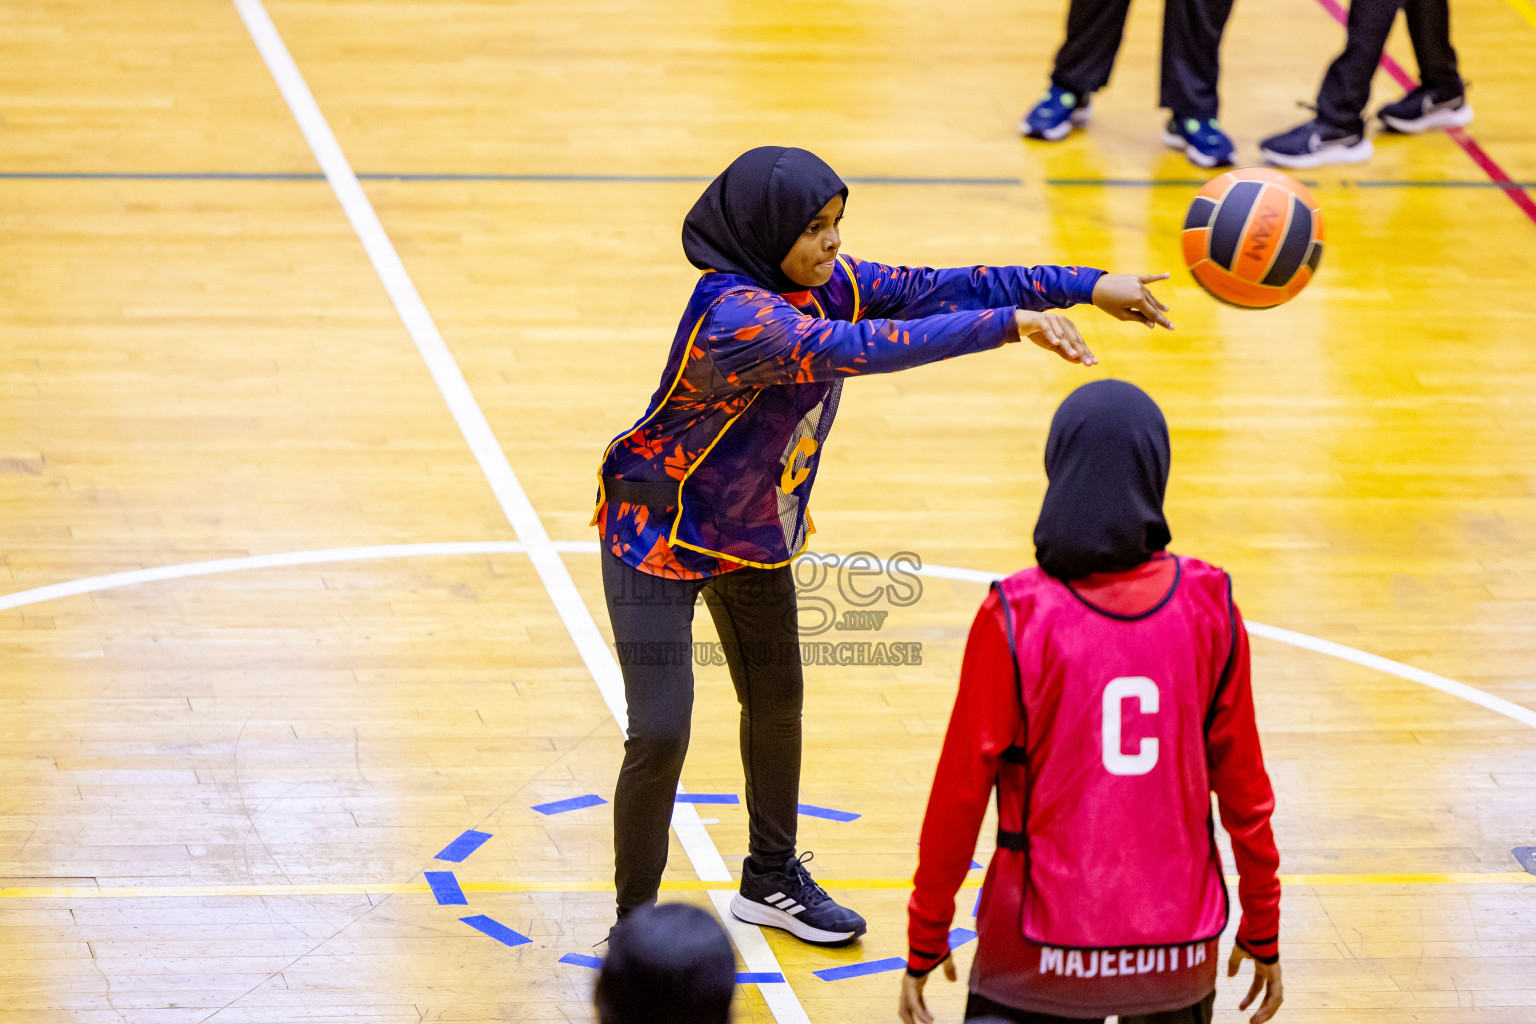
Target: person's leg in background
1082 67
756 615
1440 100
1191 67
1347 85
1087 55
652 621
1337 134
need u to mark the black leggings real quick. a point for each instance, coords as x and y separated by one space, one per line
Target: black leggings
1347 85
755 614
981 1008
1191 65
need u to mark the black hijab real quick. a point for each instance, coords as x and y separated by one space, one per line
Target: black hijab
748 218
667 964
1107 463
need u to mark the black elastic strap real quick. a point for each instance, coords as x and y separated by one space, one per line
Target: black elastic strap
1007 840
651 493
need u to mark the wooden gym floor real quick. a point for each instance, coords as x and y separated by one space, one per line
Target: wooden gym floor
220 785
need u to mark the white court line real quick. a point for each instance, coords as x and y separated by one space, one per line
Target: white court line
21 598
1481 698
134 577
695 839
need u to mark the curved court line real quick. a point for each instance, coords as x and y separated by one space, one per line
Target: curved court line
1472 694
134 577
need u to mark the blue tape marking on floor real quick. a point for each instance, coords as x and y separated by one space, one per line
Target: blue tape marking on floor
975 864
445 888
496 930
976 910
827 812
759 978
959 937
706 798
582 960
894 963
1526 855
575 803
463 846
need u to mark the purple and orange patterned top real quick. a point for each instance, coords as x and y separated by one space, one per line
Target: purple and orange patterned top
751 387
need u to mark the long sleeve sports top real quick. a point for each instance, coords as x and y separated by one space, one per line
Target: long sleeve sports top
733 434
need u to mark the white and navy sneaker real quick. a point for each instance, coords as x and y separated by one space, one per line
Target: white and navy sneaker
1055 115
1314 144
791 900
1203 142
1420 111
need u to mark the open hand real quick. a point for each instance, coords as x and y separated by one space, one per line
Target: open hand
1266 979
1054 332
1127 297
913 1010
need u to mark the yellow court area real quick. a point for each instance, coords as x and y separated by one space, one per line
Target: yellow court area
220 784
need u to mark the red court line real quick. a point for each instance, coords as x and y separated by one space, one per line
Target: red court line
1468 144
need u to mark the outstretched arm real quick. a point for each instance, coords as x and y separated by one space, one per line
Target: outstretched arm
903 292
756 338
884 291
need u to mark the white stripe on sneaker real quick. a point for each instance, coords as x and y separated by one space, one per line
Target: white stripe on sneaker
756 913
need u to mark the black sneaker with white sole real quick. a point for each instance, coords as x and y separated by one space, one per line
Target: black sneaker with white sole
1314 144
1421 111
790 899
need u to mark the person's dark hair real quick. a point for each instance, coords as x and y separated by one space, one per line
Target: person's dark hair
1107 464
667 964
748 218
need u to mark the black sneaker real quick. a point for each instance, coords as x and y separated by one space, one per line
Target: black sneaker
791 900
1420 111
1314 144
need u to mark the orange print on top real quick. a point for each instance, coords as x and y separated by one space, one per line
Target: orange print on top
676 464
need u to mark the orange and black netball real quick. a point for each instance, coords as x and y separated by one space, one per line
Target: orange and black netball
1253 237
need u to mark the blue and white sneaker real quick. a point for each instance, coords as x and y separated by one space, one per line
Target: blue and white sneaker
1314 144
1203 142
791 900
1420 111
1054 117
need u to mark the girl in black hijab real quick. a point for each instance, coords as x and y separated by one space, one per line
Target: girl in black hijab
1104 696
707 492
1107 463
667 964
